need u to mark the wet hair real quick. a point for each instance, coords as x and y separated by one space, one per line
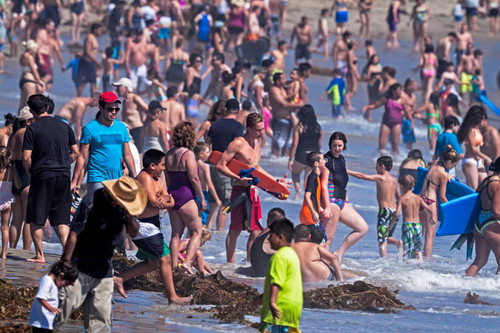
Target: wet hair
275 214
10 119
415 154
304 67
282 227
266 63
218 107
337 72
179 42
149 22
452 34
5 155
253 119
429 48
317 235
324 11
371 60
473 118
199 148
227 77
452 100
108 52
434 97
246 105
277 77
303 18
94 27
478 53
495 166
338 136
281 43
450 121
205 234
407 182
307 118
450 154
301 231
368 42
391 71
66 267
409 82
184 135
193 88
313 157
386 161
38 103
193 57
220 56
153 73
50 105
172 91
152 156
346 34
392 89
477 72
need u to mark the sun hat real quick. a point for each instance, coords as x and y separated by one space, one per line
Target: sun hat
109 97
25 113
126 82
129 193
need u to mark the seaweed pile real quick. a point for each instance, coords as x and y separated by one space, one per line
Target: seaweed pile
359 296
232 300
473 298
15 303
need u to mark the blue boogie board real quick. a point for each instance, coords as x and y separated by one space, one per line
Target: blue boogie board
489 104
457 216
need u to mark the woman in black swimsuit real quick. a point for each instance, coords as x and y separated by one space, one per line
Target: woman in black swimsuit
306 138
193 72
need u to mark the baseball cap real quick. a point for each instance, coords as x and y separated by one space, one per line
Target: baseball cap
155 105
125 82
109 97
232 105
25 113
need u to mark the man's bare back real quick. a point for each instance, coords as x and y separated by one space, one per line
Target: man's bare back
387 188
175 114
314 261
491 146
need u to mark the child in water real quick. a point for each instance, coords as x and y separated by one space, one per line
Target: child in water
202 152
8 176
199 263
387 196
411 205
44 309
336 91
311 207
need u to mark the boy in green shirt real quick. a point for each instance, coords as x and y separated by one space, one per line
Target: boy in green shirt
282 299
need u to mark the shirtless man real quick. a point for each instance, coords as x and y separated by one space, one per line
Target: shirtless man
281 124
133 108
465 71
151 243
316 262
279 54
443 52
339 52
491 138
136 59
463 39
175 111
247 150
278 14
217 68
89 62
305 72
305 37
73 111
43 58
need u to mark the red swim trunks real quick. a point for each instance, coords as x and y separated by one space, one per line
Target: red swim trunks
240 214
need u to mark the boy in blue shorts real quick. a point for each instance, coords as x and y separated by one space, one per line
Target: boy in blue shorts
387 196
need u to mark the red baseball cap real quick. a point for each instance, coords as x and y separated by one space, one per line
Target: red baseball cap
109 97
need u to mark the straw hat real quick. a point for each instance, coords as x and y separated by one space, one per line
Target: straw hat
129 193
25 113
238 3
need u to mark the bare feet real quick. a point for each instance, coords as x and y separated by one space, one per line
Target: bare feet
40 260
118 281
400 247
339 257
3 255
180 300
185 267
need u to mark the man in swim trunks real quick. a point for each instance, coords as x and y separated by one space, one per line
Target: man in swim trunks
443 52
305 37
281 124
464 37
316 262
279 54
175 112
465 71
247 150
73 111
44 53
340 51
89 62
136 60
149 240
277 8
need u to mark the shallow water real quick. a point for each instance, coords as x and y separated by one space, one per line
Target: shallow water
435 288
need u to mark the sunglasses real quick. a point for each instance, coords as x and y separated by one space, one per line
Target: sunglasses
117 109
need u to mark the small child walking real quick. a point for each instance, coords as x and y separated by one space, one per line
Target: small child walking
44 309
282 299
7 178
387 196
336 91
202 152
410 204
311 207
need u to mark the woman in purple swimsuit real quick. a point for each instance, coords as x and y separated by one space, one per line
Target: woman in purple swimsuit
392 21
395 103
183 185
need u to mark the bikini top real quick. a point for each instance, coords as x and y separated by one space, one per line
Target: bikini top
478 138
487 187
435 114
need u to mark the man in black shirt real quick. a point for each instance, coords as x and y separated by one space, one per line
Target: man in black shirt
95 232
49 148
221 134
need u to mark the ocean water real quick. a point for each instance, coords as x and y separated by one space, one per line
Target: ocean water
436 288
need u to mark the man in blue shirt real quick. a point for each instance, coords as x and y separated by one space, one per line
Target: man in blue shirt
103 144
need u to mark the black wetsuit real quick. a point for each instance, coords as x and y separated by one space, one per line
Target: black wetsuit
338 175
258 257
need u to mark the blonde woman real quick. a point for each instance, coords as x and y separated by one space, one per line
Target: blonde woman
30 82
